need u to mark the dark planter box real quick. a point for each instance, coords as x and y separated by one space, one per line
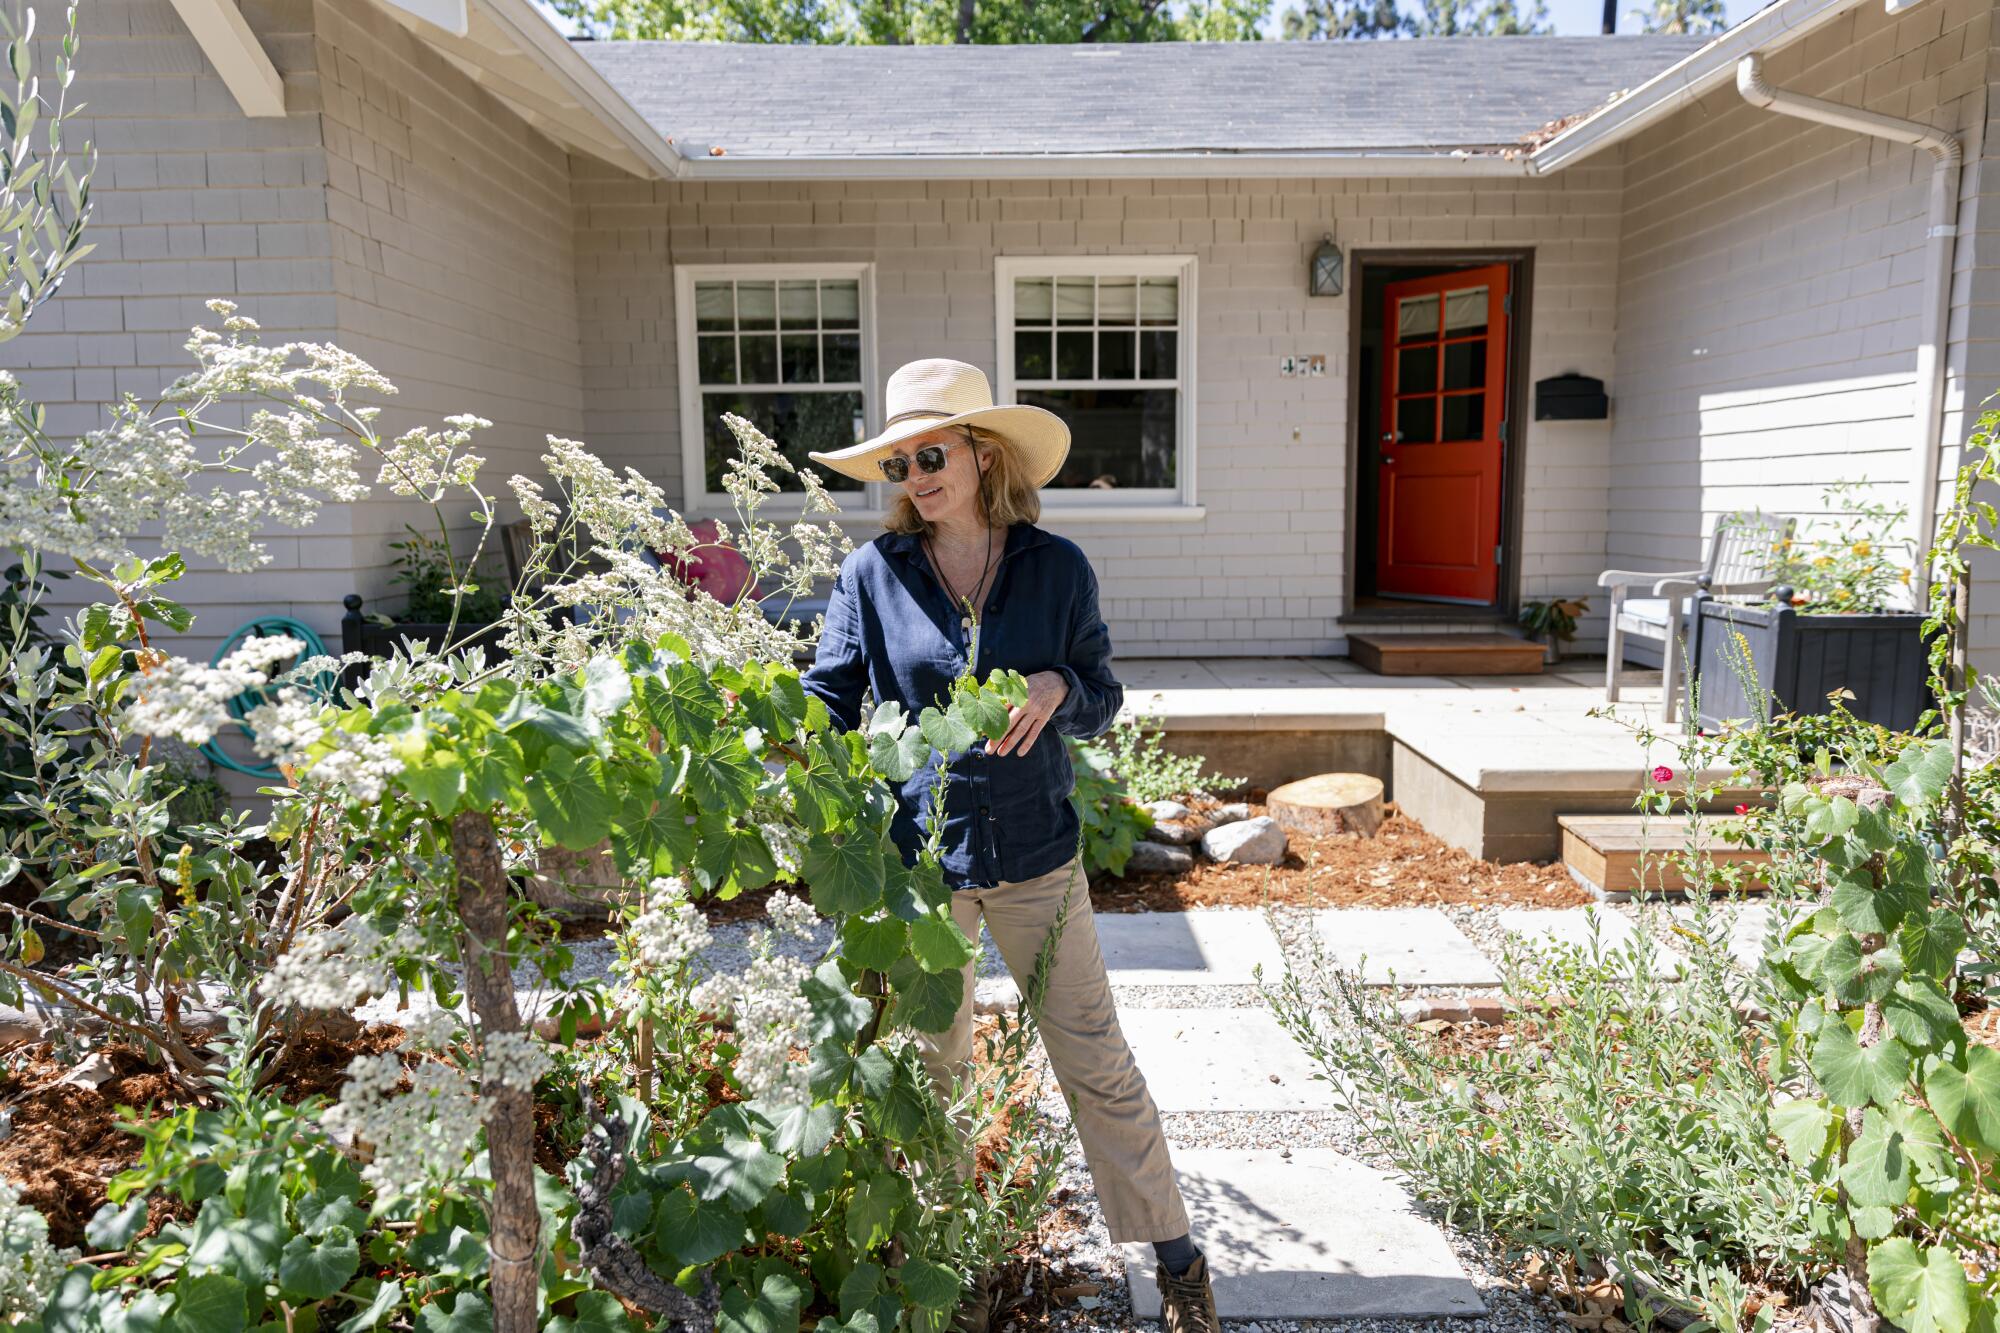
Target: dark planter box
1800 659
359 634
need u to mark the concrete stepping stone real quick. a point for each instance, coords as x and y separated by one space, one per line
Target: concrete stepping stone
1405 946
1749 925
1223 1060
1573 926
1315 1235
1219 947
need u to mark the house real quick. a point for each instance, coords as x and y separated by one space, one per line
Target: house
617 241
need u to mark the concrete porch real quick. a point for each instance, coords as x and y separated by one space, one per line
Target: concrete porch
1485 762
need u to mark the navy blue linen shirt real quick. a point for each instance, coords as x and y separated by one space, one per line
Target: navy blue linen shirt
891 628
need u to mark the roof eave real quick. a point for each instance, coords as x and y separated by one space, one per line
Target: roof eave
1775 26
1042 166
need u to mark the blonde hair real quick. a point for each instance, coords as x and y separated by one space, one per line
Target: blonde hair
1007 495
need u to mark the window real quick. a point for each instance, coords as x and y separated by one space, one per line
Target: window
1104 342
788 346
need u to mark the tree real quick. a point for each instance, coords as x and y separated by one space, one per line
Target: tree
1481 18
1700 17
1335 20
920 22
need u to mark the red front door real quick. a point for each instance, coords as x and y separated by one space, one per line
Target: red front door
1444 405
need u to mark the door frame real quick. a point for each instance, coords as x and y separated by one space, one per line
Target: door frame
1521 263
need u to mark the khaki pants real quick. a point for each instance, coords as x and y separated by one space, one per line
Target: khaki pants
1115 1116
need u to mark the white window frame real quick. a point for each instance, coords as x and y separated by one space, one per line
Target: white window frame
697 498
1178 501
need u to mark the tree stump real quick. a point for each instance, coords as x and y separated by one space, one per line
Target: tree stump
1328 803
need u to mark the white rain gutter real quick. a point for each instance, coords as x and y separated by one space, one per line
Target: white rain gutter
1934 323
1696 75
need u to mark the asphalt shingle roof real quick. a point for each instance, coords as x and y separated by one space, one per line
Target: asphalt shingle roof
776 102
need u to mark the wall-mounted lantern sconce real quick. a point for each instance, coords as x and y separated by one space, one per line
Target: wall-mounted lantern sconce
1325 277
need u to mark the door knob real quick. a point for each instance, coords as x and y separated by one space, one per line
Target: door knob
1389 462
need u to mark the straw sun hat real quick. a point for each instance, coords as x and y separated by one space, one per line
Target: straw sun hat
924 395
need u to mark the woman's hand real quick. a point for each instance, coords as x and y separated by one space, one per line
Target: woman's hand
1046 691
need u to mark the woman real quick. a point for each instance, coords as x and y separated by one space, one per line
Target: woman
963 570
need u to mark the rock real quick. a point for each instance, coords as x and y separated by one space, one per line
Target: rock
1163 811
995 995
1179 833
1233 813
1158 858
1258 842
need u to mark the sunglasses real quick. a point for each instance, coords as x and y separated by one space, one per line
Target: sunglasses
930 458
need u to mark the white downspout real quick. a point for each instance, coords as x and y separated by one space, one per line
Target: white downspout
1934 324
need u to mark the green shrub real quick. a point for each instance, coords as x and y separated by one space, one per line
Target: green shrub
1133 750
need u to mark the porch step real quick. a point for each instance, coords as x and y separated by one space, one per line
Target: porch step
1616 856
1389 654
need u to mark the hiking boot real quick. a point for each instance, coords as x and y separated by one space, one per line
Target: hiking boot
975 1312
1187 1302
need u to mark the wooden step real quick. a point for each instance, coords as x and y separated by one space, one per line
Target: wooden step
1616 856
1388 654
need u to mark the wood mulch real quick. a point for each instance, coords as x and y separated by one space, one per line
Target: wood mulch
1401 866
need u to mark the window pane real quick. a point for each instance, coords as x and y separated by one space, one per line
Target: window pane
798 303
1157 359
1034 300
1465 311
801 357
1073 355
1119 438
1416 421
1416 317
760 359
795 422
1465 416
756 305
1031 355
1075 300
843 357
1160 301
1117 300
716 359
840 304
1465 365
1117 354
1416 370
714 307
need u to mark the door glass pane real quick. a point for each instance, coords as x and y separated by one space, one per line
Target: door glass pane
1465 311
801 357
1075 300
757 305
1031 354
716 359
796 422
1465 365
1117 300
1416 421
1417 370
760 360
1158 354
1033 300
1416 317
714 307
840 304
1073 355
798 303
1119 438
1117 354
1464 416
842 357
1159 301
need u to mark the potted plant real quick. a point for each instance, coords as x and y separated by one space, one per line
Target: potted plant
425 569
1553 622
1839 625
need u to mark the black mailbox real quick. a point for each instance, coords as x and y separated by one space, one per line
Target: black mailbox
1571 398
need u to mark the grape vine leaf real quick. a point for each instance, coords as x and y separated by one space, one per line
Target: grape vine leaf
1877 1173
1804 1125
1922 1291
845 874
938 942
571 800
313 1270
931 1286
1920 773
1856 1075
874 943
1966 1095
695 1230
925 1001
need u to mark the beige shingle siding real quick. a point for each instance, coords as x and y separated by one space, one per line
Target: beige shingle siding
1262 572
1770 283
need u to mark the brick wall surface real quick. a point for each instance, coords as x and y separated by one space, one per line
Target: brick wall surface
1262 572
